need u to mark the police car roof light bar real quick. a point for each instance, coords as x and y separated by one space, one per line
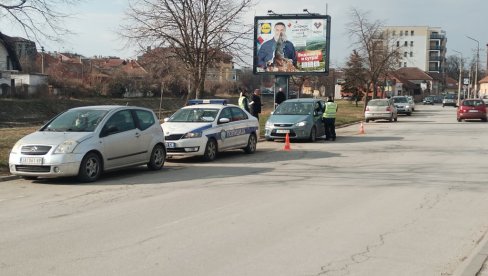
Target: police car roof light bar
207 101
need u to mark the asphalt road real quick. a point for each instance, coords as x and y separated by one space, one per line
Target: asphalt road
405 198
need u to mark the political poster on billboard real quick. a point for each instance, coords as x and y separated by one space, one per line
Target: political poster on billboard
291 45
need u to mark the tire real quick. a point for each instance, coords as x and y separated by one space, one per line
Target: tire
251 144
90 168
157 158
29 177
313 135
395 119
409 113
210 150
459 119
367 120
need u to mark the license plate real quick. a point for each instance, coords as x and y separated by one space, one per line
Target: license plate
283 131
31 160
473 110
170 145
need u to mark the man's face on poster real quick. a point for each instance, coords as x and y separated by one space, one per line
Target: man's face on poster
279 30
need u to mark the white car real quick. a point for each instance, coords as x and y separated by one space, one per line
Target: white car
86 141
206 127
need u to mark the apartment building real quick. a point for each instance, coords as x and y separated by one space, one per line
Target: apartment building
423 47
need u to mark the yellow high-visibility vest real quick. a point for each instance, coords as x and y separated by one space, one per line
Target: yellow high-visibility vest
330 110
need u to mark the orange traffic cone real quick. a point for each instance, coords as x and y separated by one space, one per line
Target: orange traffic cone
287 142
361 129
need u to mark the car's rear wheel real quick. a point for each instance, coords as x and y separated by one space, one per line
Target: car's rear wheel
367 120
251 144
313 134
90 168
395 119
269 139
210 150
29 177
459 119
409 113
158 156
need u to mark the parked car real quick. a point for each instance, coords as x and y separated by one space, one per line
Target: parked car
206 127
87 141
383 109
472 109
299 118
450 100
428 100
402 105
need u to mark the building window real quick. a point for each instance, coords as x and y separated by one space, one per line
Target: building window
411 43
401 33
398 43
393 33
405 44
406 33
411 33
405 54
411 54
400 64
404 64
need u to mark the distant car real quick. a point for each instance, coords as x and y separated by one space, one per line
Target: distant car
87 141
428 100
402 105
206 127
383 109
450 100
299 118
472 109
411 101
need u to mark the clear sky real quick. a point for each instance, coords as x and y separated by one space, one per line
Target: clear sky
95 23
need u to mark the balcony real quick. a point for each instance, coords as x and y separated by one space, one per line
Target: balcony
435 47
436 58
437 36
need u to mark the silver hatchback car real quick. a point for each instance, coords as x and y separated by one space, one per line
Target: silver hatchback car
86 141
380 109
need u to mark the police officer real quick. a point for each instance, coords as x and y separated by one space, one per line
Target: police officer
329 119
243 101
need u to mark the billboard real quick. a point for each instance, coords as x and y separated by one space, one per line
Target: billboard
291 44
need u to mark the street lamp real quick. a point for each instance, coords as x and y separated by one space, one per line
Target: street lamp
477 61
460 75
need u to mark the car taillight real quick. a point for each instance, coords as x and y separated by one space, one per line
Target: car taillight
367 108
388 108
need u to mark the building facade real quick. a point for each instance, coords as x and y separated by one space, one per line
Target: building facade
423 47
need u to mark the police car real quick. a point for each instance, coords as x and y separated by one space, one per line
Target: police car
206 127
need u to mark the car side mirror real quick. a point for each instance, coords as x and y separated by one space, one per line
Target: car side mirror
166 119
224 120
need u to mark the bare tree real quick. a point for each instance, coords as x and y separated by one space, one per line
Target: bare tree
197 31
39 19
375 45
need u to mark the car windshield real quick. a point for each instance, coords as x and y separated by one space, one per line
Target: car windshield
78 120
293 108
400 100
473 103
192 115
378 103
450 96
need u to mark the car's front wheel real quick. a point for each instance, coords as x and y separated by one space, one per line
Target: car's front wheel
158 156
90 168
313 134
210 150
251 144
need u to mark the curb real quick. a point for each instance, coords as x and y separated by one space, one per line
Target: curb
477 263
8 178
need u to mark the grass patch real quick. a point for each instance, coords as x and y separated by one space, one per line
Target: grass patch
8 138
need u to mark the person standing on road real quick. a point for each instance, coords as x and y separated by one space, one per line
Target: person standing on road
329 119
280 97
243 101
256 103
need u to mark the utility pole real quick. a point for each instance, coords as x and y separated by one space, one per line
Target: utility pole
460 77
476 72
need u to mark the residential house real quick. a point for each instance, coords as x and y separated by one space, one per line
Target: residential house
412 81
483 83
18 72
452 85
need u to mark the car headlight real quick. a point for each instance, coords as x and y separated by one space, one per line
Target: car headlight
67 146
300 124
193 135
268 124
407 106
17 146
